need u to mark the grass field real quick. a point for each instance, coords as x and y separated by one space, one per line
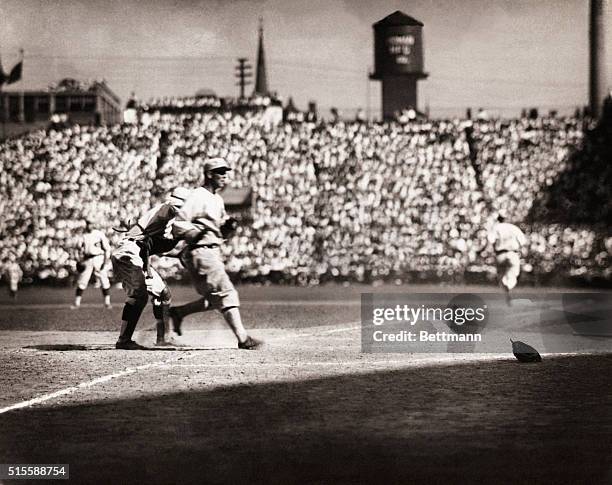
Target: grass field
309 408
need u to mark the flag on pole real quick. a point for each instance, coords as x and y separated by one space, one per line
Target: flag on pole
14 75
2 75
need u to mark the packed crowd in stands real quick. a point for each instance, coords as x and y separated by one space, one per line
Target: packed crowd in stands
182 104
203 101
343 201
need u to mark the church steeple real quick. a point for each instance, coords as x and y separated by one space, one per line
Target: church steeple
261 80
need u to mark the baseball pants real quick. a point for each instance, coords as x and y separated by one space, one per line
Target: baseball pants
209 278
509 268
93 265
128 268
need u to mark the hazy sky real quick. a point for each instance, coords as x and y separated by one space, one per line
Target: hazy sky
499 54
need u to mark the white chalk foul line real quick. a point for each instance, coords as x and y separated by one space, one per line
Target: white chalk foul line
186 355
363 364
353 326
247 303
133 370
91 383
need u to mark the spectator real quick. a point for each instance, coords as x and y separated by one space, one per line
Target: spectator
332 200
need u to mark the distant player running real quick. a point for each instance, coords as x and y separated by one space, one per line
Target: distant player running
203 223
94 253
12 274
507 240
151 235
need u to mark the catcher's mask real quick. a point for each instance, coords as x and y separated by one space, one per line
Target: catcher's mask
178 197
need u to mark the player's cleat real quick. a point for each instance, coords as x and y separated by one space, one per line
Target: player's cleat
251 344
75 307
129 345
109 306
177 321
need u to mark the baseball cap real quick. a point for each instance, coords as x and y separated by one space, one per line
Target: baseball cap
216 164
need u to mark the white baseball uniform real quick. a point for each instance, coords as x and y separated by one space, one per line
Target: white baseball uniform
95 250
203 214
150 235
507 240
13 274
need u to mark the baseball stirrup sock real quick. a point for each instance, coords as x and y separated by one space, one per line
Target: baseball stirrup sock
131 313
130 316
157 310
192 307
160 325
162 315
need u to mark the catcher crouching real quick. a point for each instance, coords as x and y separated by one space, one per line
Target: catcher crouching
149 236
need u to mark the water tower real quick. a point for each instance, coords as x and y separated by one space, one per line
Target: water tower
398 61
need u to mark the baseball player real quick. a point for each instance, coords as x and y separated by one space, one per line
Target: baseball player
12 274
203 223
507 240
150 235
94 253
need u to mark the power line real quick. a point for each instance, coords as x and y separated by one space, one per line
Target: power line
322 67
302 66
508 81
131 58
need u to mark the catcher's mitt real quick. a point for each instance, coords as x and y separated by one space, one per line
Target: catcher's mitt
228 228
80 267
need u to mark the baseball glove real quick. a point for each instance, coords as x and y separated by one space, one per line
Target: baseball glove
228 228
80 267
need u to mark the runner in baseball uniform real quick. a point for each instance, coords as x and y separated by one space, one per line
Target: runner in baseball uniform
150 235
203 223
12 274
507 240
94 254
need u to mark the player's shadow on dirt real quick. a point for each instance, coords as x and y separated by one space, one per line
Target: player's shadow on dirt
65 347
90 347
488 422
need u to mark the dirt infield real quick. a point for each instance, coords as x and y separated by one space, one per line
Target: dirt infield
310 408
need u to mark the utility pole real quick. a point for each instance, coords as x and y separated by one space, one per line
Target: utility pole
368 97
597 57
244 74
